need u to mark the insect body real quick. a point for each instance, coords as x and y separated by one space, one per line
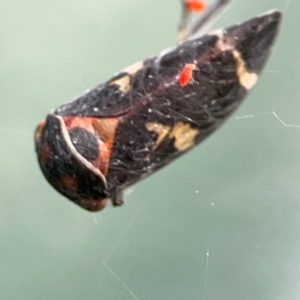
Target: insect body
150 113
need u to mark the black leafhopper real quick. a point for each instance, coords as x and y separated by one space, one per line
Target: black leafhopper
152 112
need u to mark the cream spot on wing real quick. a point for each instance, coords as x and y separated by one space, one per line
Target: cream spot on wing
123 83
184 136
227 43
106 128
182 133
161 131
246 79
132 69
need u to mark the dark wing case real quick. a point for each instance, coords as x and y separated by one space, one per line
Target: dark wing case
156 118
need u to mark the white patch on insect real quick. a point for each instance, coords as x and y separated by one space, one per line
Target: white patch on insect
123 84
161 131
246 79
182 133
184 136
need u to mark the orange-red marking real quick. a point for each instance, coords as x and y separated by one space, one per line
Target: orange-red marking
186 74
83 122
92 204
104 130
195 5
68 183
45 153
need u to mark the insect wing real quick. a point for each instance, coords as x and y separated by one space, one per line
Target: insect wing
141 119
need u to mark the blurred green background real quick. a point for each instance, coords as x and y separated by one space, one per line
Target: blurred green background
222 222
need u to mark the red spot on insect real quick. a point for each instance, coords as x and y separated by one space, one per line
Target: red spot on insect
186 74
195 5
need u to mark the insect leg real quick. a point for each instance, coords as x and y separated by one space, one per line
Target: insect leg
208 16
117 198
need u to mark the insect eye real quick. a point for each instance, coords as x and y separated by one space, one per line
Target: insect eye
84 142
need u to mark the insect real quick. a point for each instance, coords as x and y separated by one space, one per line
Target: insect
186 74
152 112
